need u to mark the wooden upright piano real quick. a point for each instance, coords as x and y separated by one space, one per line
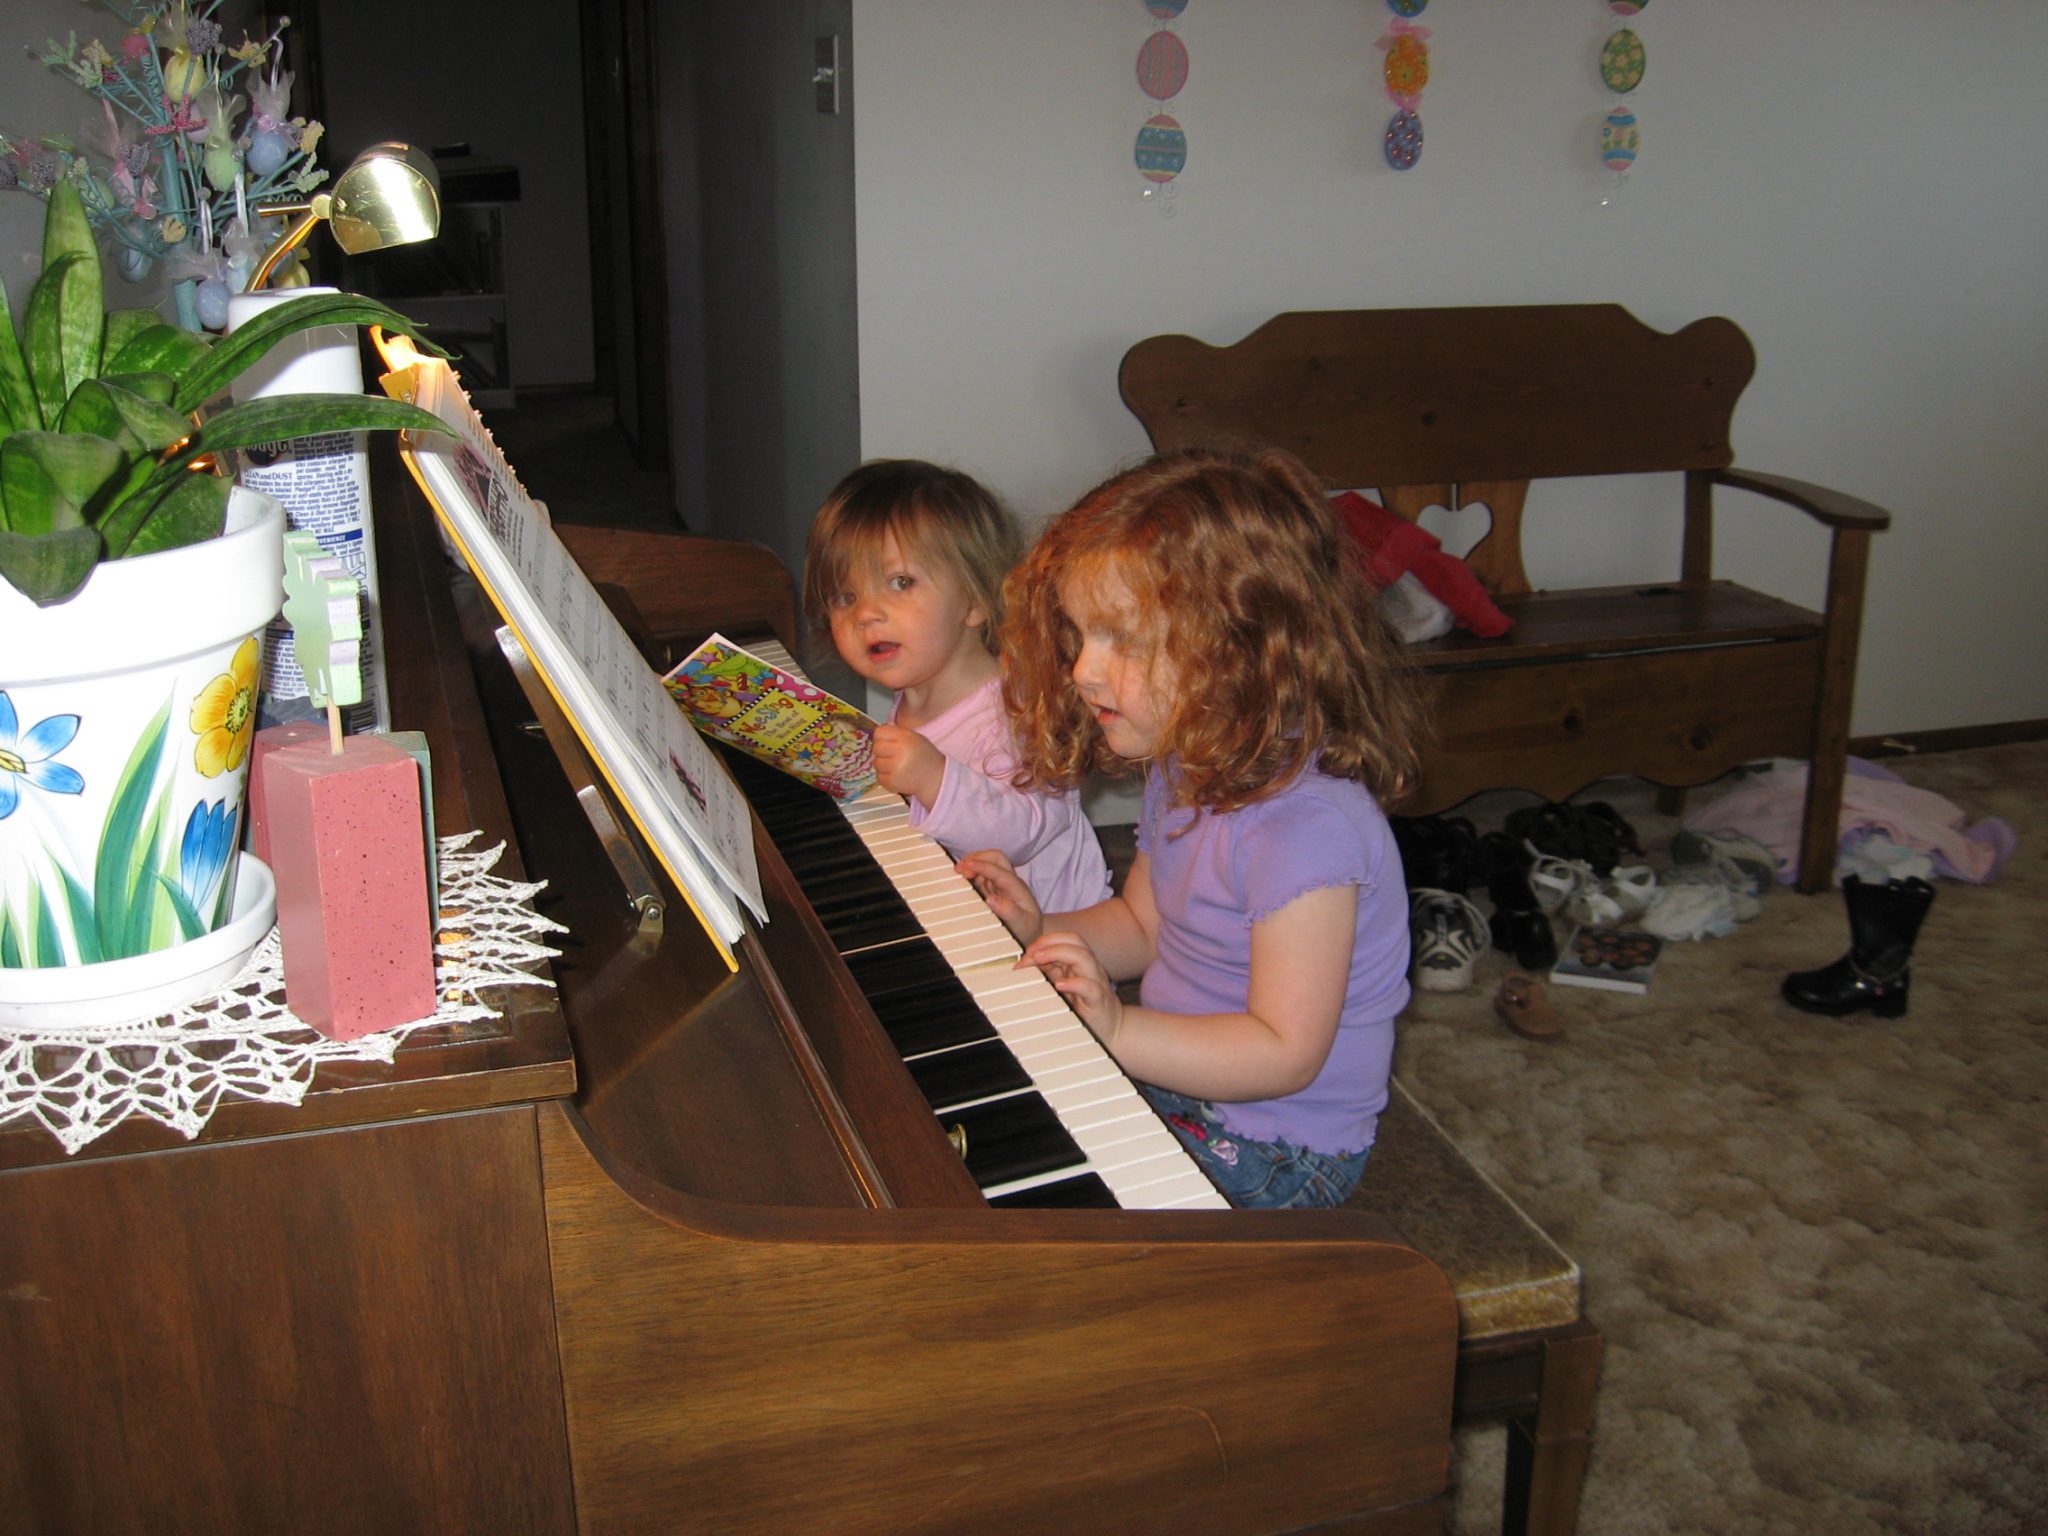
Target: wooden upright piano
672 1249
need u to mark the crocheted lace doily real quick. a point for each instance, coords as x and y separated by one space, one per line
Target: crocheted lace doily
79 1084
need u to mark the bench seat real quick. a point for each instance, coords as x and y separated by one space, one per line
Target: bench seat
1527 1353
1673 681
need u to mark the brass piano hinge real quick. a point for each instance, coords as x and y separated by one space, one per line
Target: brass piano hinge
957 1134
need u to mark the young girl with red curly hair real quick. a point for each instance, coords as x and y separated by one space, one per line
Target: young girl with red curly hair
1198 616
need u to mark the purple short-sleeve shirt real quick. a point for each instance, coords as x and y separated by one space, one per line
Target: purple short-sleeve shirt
1223 874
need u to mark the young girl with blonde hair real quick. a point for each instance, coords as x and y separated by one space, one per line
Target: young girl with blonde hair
1199 618
904 568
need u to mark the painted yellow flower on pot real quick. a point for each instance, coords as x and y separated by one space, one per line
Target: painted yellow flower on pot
224 714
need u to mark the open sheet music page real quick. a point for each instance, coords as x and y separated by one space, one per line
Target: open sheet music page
675 790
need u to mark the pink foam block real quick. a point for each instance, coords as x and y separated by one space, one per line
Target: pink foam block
345 839
267 741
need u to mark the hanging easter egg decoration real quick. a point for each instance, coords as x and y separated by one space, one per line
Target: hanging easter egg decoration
1620 136
1407 68
1405 72
1404 140
1622 62
1162 66
1162 149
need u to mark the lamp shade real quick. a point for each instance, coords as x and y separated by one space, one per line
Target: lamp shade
389 195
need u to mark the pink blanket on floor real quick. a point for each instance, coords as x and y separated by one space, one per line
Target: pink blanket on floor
1769 806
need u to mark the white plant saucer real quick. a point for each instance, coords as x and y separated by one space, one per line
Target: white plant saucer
77 998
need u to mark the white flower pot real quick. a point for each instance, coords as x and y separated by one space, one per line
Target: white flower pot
125 718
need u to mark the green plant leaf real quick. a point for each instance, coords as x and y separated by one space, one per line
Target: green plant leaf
161 348
192 509
234 352
47 568
42 334
280 418
156 387
18 405
46 478
82 321
131 419
123 326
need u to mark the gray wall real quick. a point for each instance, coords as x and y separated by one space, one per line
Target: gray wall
1859 184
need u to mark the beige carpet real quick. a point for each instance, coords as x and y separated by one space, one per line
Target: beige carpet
1818 1248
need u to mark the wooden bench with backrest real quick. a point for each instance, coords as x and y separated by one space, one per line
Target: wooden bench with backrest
1676 681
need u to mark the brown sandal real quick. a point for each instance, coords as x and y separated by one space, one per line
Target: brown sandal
1524 1009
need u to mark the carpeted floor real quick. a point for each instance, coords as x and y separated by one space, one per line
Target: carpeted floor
1818 1248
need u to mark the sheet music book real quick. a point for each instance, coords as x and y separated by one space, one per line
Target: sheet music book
671 785
771 713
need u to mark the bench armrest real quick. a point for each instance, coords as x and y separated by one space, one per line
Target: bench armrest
1818 502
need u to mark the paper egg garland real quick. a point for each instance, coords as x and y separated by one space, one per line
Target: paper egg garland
1620 137
1622 62
1162 152
1403 140
1162 66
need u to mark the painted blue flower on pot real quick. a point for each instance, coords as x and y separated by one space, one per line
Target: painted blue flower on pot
208 845
30 758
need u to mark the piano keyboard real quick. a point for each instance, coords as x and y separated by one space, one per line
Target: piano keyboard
1049 1118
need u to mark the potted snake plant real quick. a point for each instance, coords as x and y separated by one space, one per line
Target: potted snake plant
135 583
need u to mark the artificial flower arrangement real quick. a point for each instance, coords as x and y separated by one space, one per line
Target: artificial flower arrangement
195 135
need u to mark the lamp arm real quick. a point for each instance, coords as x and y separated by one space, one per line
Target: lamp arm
290 241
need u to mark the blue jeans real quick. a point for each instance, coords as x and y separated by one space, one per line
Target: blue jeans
1256 1175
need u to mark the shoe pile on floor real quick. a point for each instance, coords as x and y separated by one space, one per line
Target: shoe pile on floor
1581 865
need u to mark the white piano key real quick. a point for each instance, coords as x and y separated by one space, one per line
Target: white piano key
1124 1143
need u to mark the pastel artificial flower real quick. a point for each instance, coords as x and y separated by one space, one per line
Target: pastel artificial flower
224 714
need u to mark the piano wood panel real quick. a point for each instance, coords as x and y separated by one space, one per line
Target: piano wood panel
343 1332
759 1370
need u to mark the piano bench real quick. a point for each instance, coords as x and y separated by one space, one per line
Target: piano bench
1527 1354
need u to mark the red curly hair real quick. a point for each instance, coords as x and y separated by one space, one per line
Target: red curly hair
1238 575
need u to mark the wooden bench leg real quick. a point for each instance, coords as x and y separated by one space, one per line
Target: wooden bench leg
1546 1460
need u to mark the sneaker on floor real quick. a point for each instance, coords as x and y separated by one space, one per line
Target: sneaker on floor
1726 858
1448 933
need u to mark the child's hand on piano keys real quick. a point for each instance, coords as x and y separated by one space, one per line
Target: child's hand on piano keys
992 874
1070 965
909 765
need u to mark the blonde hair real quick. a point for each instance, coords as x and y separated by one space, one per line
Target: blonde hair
1239 579
943 519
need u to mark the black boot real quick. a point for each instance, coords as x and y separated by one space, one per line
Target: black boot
1518 924
1883 922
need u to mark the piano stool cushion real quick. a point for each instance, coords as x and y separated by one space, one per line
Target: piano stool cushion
1507 1275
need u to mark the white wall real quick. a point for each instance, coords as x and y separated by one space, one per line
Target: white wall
1860 184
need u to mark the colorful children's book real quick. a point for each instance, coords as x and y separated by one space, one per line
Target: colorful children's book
1613 959
776 716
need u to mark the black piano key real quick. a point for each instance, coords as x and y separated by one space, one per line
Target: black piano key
917 1023
1086 1192
1013 1138
907 967
972 1072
